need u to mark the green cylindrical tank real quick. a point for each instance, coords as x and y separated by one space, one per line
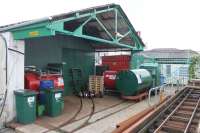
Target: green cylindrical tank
131 82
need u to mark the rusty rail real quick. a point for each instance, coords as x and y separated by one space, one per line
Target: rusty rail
180 113
193 114
168 117
181 116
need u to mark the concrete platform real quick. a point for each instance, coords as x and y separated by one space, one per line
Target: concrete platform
31 128
96 117
7 130
109 111
108 124
72 105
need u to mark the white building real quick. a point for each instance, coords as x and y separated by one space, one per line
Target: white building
174 63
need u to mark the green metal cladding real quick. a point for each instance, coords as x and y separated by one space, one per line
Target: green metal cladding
137 60
32 31
83 60
154 69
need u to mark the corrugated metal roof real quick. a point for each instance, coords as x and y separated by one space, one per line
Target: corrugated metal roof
92 27
169 53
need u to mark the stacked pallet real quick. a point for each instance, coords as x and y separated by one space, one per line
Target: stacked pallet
96 85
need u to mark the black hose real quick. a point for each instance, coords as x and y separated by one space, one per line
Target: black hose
13 50
92 111
90 115
78 111
6 92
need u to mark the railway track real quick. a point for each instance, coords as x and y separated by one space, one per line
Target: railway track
182 115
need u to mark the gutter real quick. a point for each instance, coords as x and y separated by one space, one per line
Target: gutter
14 26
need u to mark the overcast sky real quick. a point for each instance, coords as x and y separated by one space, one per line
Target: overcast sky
163 23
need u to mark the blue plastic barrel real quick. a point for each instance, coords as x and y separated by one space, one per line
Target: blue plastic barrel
42 98
44 84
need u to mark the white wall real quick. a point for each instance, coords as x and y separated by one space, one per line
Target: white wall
2 66
15 74
175 75
2 76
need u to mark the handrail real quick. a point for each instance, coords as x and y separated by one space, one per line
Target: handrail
155 89
162 88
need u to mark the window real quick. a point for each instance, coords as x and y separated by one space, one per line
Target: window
183 71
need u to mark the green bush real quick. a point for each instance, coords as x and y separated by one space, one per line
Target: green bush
195 61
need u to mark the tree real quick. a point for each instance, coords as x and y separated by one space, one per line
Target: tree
195 61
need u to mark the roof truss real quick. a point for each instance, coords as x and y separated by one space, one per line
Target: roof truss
110 36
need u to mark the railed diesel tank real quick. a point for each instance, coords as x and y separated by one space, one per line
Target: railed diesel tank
132 82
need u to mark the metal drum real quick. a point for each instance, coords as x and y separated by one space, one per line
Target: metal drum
131 82
109 79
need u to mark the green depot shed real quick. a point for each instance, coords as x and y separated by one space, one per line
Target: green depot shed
73 38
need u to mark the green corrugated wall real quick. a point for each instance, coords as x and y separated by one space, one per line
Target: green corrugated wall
137 60
83 60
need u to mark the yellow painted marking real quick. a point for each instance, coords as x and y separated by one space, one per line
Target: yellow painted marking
34 33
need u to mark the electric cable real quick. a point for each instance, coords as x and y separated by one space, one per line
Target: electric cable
6 91
76 91
6 69
13 50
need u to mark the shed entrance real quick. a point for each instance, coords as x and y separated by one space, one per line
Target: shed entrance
71 39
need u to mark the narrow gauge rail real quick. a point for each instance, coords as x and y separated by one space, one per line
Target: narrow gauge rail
182 115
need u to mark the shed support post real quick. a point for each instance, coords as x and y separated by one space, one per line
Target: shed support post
116 23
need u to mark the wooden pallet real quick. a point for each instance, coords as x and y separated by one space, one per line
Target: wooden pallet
136 98
96 85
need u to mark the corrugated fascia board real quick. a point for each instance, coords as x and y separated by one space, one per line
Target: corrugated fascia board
53 18
23 24
88 10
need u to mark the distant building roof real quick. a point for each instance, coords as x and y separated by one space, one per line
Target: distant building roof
169 55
